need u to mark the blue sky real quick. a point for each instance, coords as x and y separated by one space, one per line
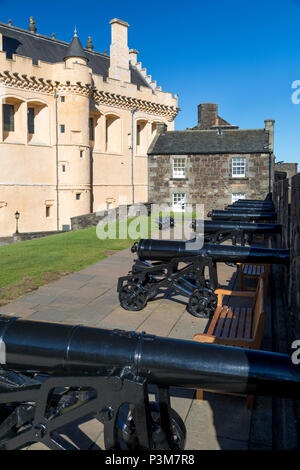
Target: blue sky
242 55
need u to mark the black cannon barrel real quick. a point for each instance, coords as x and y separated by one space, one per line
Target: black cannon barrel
57 348
259 201
246 216
240 208
160 250
213 226
253 204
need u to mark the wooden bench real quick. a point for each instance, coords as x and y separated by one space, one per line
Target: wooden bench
237 326
254 271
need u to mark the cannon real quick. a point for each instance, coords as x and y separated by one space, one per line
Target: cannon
244 208
253 204
245 216
157 266
237 232
56 373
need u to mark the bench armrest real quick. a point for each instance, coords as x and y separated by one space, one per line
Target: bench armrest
204 338
237 293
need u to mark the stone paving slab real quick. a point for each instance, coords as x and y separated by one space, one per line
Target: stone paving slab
89 297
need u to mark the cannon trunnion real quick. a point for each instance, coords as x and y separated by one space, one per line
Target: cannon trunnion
56 373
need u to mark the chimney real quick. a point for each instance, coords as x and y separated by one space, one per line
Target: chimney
269 127
161 128
133 56
207 115
119 53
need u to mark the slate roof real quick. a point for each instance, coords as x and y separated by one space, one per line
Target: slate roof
39 47
206 142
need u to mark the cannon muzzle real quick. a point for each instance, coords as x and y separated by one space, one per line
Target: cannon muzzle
162 250
57 348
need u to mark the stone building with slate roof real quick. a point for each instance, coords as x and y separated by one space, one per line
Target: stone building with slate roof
213 163
69 117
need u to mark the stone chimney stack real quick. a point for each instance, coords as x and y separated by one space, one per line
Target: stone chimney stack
119 52
269 126
207 115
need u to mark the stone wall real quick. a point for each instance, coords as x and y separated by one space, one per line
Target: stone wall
91 220
289 217
208 179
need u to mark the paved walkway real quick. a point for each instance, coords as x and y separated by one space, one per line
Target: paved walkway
89 297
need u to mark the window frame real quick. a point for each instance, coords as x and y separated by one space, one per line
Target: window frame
8 125
237 166
179 175
176 206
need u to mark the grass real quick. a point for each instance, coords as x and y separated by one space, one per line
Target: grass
28 265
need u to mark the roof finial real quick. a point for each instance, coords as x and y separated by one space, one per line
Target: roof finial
75 32
89 44
32 27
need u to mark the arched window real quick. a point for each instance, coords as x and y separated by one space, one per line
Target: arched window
113 137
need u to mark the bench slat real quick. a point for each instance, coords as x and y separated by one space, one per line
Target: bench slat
234 322
242 318
227 324
248 325
221 321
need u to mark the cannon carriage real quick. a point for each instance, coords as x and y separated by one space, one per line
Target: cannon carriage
56 373
182 266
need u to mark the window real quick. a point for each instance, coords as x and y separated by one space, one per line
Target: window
91 128
179 168
78 196
238 167
62 99
178 202
30 120
8 117
62 128
63 168
81 153
48 211
138 134
236 196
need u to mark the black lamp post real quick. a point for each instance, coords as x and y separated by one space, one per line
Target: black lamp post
17 216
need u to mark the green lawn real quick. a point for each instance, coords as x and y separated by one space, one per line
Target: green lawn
27 265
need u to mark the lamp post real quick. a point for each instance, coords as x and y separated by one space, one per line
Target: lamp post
17 216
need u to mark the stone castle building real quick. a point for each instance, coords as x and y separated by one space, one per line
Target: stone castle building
213 163
75 127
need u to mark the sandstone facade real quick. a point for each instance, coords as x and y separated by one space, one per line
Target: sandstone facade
80 125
